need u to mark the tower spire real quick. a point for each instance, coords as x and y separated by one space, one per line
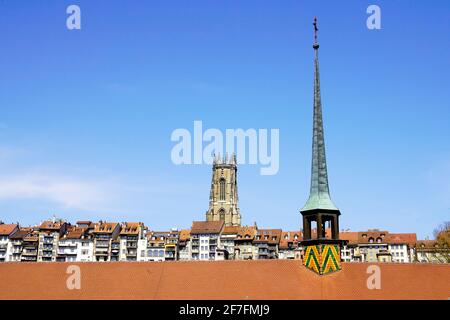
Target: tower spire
322 250
319 197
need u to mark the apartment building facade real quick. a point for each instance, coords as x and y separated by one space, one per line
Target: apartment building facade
130 241
30 246
205 240
49 235
156 246
6 231
266 243
76 245
106 244
243 244
184 247
289 245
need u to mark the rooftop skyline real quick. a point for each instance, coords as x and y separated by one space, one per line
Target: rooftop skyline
86 115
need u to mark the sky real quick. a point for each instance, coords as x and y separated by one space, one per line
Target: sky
86 116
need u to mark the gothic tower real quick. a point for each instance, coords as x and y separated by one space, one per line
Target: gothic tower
321 253
223 198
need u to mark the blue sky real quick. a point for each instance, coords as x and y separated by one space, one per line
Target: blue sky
86 115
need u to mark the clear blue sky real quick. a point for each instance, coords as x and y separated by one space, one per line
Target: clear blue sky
86 115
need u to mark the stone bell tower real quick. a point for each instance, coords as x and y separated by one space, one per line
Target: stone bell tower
321 253
223 198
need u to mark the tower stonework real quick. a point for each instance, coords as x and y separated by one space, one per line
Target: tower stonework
223 197
321 253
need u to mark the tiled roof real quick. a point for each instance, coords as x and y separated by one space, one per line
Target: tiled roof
185 234
7 229
131 228
230 230
50 225
75 233
233 280
19 235
271 236
199 227
105 227
246 233
402 238
351 237
290 237
372 236
88 224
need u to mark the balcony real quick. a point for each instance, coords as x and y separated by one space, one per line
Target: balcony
28 258
102 244
29 253
67 244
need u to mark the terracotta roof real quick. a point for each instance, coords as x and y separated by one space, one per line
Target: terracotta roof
351 237
88 224
199 227
19 235
50 225
131 228
290 237
374 235
75 233
246 233
185 234
230 230
250 280
271 236
429 244
105 227
8 229
402 238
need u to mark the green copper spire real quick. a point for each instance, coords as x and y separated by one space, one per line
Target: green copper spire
319 196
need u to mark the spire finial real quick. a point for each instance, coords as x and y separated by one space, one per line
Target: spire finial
316 44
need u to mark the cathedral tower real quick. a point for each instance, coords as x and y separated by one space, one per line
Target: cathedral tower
223 198
321 253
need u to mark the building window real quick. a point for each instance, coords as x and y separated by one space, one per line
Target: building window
222 189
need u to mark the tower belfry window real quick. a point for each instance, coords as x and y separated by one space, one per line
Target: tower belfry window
222 189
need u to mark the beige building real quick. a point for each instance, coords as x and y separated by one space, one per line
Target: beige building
223 198
49 234
106 242
243 244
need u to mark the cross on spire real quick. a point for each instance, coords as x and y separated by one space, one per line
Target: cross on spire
315 31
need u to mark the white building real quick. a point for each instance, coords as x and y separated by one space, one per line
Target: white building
205 240
76 245
132 242
6 231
